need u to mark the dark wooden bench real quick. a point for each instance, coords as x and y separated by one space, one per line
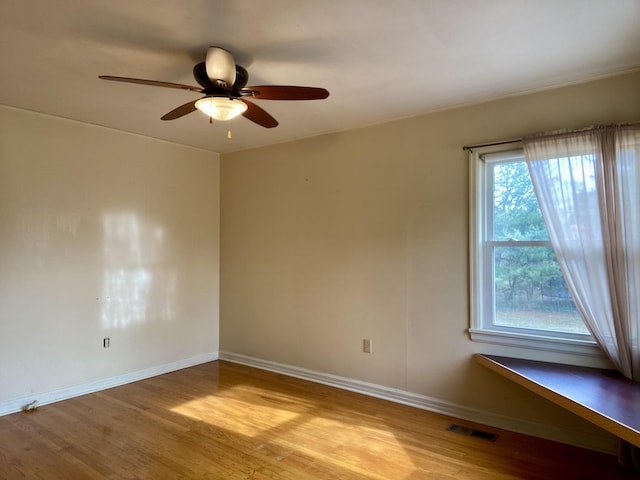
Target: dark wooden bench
604 397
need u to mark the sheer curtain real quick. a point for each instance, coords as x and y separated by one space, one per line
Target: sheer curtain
588 187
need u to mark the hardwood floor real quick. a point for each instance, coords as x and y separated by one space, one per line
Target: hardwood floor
226 421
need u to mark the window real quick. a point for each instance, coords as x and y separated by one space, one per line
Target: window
518 294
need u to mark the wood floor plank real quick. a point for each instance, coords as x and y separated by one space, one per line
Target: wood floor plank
225 421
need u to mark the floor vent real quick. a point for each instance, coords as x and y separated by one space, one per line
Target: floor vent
472 433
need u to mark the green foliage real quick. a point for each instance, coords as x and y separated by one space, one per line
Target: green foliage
516 213
526 277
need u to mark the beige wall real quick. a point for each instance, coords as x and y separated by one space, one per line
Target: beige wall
364 234
102 234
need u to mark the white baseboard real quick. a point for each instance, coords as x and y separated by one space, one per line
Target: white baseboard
604 443
44 398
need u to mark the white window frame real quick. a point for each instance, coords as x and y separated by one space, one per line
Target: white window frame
482 327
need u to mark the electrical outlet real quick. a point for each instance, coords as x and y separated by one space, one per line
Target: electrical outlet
106 342
366 345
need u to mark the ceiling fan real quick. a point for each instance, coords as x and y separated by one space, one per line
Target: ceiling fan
223 84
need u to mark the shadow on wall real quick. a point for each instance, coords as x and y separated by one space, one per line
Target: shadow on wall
139 284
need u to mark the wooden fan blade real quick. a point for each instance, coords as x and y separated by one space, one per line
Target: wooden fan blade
285 92
181 111
257 115
155 83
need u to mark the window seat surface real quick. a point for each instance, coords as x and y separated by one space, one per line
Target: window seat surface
604 397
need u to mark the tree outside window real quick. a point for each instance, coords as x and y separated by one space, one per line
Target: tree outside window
528 287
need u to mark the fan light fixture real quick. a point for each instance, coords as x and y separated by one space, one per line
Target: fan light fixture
221 108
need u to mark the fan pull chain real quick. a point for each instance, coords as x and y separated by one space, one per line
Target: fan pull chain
210 120
229 130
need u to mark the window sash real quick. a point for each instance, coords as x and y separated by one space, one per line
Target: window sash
482 326
518 243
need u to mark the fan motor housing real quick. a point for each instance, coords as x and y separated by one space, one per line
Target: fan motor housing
200 75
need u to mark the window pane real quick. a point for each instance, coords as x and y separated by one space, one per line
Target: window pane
516 213
530 292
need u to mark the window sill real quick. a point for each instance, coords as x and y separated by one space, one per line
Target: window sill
537 342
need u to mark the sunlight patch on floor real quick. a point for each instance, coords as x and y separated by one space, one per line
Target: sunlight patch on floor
238 416
296 431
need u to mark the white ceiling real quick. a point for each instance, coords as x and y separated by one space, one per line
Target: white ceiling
380 59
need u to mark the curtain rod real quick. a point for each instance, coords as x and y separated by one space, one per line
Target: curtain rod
559 133
470 148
